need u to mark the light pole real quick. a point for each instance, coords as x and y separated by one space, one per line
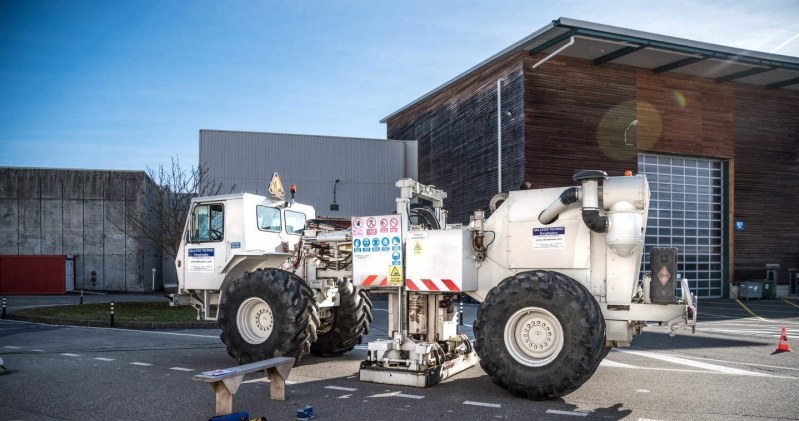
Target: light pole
632 123
334 205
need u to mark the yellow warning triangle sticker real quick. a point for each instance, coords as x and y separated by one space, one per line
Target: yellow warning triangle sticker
395 271
276 186
417 246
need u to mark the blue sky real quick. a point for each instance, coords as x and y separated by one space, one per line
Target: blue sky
129 84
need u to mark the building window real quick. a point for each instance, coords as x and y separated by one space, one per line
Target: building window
268 218
207 223
686 212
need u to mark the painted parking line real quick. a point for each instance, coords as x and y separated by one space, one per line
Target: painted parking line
69 355
791 303
572 413
405 395
141 364
181 369
484 404
104 359
751 312
692 363
608 363
345 389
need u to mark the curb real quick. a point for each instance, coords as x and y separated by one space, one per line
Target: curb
117 324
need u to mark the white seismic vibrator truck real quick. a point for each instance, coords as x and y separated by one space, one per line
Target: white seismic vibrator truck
556 272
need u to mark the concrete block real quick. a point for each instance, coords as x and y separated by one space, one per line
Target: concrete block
170 272
79 274
114 243
114 273
52 214
72 241
52 242
115 220
134 245
135 187
52 184
93 215
73 215
136 278
94 184
30 242
9 214
9 241
92 262
9 185
93 242
115 187
30 215
29 185
73 185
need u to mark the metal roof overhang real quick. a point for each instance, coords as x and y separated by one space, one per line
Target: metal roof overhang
603 44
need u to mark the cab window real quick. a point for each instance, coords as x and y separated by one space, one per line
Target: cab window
268 218
207 223
295 222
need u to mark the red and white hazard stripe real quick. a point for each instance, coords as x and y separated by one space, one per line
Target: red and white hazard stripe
431 285
375 281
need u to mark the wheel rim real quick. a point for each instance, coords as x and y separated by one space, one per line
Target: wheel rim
534 336
255 320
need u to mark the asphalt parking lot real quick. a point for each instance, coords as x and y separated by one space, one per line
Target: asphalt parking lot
726 371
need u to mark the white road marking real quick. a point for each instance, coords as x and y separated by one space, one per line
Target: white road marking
104 359
485 404
403 395
574 414
37 350
70 355
396 394
181 369
12 347
141 364
345 389
692 363
608 363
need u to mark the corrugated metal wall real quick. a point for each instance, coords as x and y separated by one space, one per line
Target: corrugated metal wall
367 168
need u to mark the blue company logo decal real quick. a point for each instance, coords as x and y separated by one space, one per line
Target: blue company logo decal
235 245
549 231
204 252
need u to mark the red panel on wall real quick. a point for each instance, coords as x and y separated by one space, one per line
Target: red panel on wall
32 274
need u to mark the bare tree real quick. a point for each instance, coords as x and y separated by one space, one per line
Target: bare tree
166 207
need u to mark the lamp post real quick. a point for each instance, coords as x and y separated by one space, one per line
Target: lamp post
334 205
632 123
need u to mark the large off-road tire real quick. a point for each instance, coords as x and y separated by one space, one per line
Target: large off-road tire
267 313
539 334
347 323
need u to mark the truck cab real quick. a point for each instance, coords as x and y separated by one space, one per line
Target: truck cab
227 235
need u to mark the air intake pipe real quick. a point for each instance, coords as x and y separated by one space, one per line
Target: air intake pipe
588 194
590 187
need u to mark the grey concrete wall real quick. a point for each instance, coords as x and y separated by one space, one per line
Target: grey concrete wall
80 212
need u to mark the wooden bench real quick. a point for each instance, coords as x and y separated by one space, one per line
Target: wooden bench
226 385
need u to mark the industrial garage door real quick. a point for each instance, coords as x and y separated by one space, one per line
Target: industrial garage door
686 212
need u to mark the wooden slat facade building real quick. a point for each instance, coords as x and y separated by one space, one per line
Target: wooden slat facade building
716 130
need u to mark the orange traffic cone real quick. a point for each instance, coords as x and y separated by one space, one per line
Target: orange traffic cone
783 345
